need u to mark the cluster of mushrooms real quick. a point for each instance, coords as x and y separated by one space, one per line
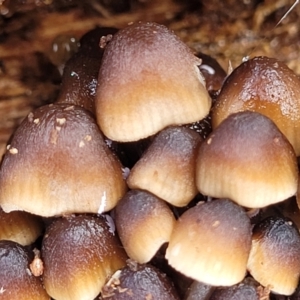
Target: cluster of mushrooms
145 166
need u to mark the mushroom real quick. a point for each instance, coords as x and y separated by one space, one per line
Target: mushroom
247 159
199 291
80 253
58 163
139 281
248 289
80 75
274 259
144 223
148 80
167 168
20 227
211 243
16 279
265 85
213 73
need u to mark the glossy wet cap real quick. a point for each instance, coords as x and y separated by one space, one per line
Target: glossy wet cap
212 71
265 85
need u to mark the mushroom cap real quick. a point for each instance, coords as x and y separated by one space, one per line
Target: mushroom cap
139 281
211 243
212 71
199 290
167 168
80 75
20 227
247 159
58 163
248 289
17 281
265 85
274 259
148 79
80 253
144 223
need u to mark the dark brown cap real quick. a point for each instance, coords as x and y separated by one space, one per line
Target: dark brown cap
274 259
80 75
16 279
80 253
139 281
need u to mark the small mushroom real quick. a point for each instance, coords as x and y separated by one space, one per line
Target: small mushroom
211 243
274 259
16 279
199 291
265 85
247 159
58 163
144 223
20 227
148 80
80 253
139 281
248 289
213 73
167 168
80 75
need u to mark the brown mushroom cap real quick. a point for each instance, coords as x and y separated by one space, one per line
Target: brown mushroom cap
199 291
248 289
212 71
265 85
80 253
137 281
80 75
149 79
274 259
247 159
58 163
20 227
211 243
167 168
144 223
16 280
